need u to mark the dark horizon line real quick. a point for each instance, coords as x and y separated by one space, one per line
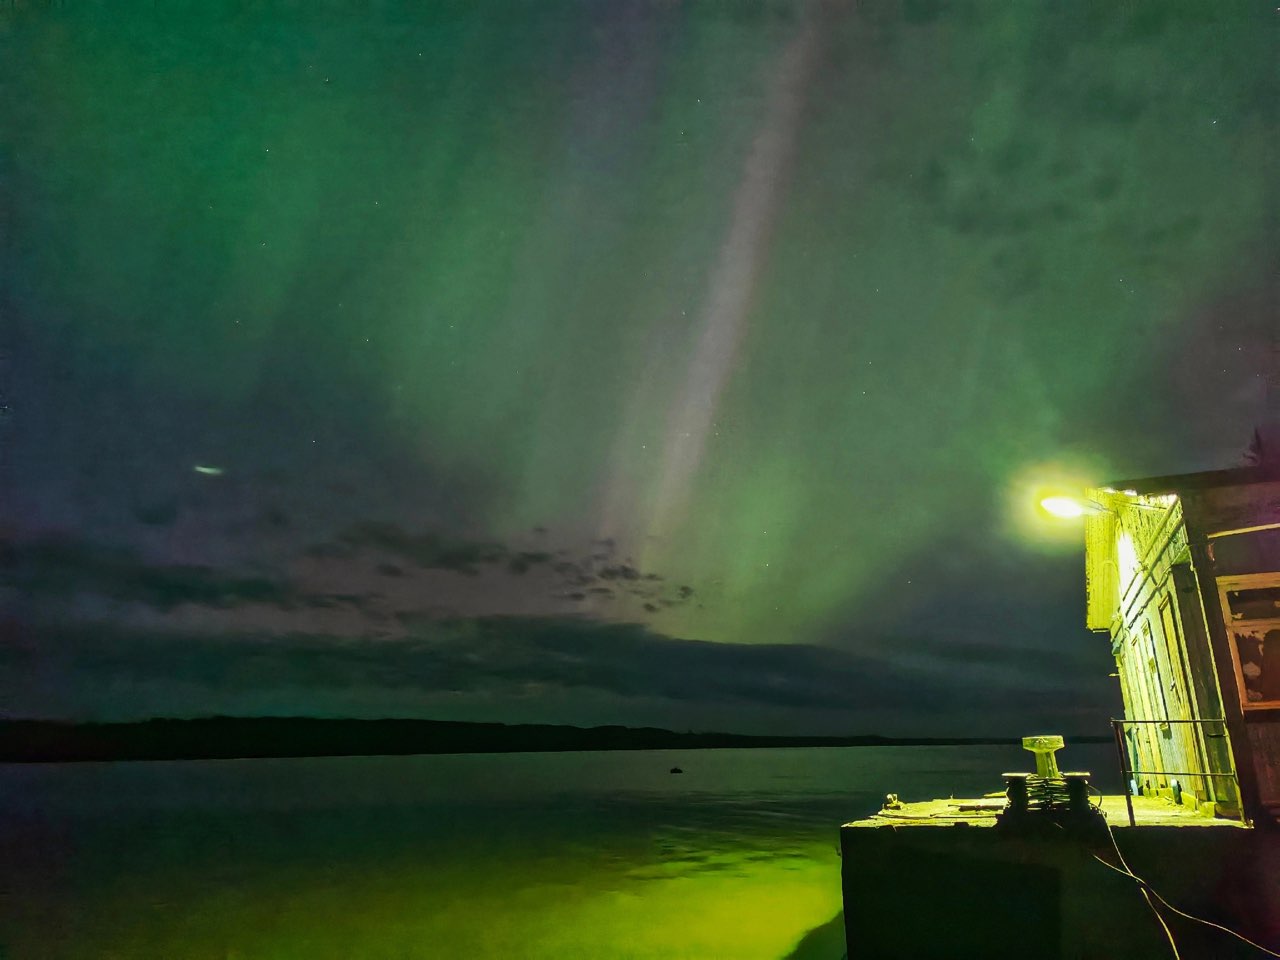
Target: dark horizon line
239 737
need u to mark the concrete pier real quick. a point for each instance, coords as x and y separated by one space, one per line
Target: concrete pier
940 879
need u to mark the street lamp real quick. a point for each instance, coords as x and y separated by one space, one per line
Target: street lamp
1068 508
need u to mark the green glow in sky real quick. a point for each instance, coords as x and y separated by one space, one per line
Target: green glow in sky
775 300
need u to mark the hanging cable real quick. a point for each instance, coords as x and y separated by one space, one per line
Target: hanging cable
1146 896
1148 893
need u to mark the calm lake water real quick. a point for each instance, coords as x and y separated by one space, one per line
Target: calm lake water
565 856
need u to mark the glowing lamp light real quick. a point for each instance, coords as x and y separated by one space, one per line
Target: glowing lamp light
1066 507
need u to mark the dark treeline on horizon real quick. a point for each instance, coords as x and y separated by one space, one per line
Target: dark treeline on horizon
209 738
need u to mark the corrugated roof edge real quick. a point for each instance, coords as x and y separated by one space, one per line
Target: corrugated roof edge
1179 482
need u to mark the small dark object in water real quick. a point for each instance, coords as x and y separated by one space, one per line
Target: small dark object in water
676 770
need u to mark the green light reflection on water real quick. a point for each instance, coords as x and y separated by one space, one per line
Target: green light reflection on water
397 858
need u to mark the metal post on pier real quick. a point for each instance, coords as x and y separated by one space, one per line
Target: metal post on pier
1117 729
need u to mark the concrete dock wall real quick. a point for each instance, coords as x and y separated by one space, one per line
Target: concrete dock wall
959 891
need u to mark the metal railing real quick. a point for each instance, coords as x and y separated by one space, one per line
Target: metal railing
1126 774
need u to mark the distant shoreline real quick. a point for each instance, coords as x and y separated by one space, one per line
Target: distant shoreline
229 738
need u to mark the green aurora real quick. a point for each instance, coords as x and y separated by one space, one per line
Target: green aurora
780 300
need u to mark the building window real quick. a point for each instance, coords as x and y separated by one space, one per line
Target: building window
1259 655
1256 603
1251 607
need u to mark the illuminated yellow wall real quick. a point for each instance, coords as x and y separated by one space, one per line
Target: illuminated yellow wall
1136 558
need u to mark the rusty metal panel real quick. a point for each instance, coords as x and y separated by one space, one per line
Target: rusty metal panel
1247 552
1240 506
1264 743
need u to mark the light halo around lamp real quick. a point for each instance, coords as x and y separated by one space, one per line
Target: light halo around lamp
1069 508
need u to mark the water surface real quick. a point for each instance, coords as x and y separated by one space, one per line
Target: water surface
568 855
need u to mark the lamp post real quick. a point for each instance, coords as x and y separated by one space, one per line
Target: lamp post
1068 508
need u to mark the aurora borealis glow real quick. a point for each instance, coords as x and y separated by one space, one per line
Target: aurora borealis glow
561 361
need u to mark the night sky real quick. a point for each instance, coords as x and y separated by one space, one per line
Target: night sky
611 362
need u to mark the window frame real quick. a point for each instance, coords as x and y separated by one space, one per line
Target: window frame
1231 584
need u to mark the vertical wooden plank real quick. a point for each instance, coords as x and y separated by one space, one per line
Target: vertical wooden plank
1193 735
1232 713
1145 735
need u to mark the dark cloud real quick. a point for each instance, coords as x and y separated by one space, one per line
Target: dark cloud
578 576
621 572
158 514
365 603
521 562
276 517
502 656
996 651
62 568
70 569
329 551
426 550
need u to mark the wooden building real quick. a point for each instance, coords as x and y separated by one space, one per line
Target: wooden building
1183 573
